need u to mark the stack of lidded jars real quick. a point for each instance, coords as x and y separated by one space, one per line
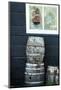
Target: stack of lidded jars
34 70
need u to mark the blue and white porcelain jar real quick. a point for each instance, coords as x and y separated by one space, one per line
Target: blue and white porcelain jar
34 72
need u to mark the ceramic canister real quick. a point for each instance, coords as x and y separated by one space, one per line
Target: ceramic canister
34 71
52 75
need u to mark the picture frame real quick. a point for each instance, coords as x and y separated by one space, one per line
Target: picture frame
42 18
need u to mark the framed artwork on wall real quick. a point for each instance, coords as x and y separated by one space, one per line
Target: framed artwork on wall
41 19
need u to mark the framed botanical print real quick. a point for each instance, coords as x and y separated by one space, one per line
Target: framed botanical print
41 19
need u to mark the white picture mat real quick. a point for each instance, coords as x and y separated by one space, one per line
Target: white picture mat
38 31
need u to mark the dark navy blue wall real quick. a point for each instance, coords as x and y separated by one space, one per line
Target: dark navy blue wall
18 39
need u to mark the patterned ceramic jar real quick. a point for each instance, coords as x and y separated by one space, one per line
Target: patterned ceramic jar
34 72
53 75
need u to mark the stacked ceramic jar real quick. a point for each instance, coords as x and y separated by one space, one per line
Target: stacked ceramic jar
34 71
